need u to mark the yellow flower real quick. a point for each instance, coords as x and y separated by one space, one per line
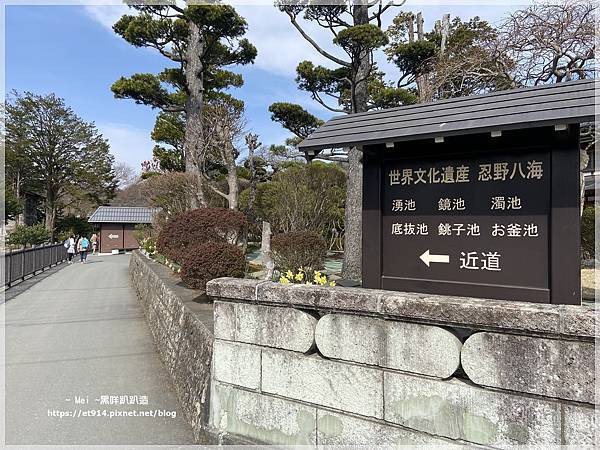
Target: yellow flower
289 274
332 283
299 276
320 279
284 280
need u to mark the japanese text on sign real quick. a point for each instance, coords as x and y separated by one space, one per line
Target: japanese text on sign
499 171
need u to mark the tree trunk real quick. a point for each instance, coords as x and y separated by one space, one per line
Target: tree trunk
233 186
445 29
20 218
411 28
193 141
363 63
228 158
265 250
253 181
50 209
420 22
351 265
423 86
352 262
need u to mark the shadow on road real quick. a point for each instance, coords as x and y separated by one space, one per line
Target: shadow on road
22 286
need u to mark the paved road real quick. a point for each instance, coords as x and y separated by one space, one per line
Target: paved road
81 332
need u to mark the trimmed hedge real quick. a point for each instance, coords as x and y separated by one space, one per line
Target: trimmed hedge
299 249
198 226
211 260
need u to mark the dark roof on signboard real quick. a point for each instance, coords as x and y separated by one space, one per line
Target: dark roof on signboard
561 103
123 214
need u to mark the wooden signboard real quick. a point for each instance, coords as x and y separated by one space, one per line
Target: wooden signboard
480 216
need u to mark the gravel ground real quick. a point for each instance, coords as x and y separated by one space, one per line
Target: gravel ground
588 283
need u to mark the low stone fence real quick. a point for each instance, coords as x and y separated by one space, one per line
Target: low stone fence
182 331
297 364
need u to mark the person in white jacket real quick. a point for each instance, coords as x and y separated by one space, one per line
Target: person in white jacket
70 248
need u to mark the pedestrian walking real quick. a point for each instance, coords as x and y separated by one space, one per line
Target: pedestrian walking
70 246
94 241
83 247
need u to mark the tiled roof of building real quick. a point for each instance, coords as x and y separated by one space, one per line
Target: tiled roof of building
560 103
123 214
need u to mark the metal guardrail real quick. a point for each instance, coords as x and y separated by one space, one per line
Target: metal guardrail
27 261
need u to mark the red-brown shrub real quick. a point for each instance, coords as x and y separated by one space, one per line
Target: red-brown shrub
299 249
211 260
198 226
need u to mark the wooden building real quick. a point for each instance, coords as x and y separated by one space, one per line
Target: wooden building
116 224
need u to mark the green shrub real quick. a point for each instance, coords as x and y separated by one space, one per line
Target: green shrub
24 235
588 227
198 226
143 231
302 197
149 245
292 251
210 260
73 225
13 206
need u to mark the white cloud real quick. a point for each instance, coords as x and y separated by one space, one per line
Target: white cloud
129 144
106 15
280 46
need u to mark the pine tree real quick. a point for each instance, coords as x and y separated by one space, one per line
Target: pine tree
201 39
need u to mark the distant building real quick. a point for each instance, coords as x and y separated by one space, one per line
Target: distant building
117 223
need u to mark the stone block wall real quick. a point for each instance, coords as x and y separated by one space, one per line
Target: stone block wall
347 366
182 332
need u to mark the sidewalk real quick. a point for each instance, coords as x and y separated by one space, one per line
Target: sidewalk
81 333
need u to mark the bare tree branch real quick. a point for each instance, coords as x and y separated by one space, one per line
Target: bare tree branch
312 42
551 42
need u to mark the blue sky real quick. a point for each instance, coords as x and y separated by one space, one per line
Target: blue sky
71 51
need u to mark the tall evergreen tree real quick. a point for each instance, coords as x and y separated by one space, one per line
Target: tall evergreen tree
294 118
201 39
169 135
64 158
454 59
354 86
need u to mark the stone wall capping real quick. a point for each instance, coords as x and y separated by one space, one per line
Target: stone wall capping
233 288
319 297
566 321
487 314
